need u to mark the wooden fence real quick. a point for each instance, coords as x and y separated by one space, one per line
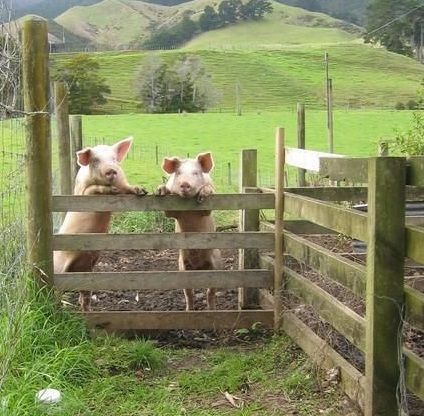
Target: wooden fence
390 181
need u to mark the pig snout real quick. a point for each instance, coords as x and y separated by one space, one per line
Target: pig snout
111 174
185 189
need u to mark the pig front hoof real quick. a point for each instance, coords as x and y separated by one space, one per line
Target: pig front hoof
140 191
204 193
162 190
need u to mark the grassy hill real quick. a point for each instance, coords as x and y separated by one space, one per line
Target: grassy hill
118 23
273 79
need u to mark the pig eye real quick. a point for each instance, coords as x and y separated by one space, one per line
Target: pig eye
95 160
195 173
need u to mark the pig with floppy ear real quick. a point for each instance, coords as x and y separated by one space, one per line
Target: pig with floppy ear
188 177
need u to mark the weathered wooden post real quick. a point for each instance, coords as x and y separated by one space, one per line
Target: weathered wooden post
249 221
383 149
35 75
62 118
301 141
279 235
385 284
230 182
76 141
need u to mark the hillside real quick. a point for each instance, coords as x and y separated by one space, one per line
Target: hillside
47 8
363 77
118 23
352 10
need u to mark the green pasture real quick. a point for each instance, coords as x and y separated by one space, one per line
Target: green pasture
275 79
357 133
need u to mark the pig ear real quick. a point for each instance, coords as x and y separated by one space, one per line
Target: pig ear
122 148
206 161
170 165
83 156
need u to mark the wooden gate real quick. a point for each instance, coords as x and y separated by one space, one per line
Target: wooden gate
250 279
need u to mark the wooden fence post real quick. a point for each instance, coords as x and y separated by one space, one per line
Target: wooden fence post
35 75
279 236
249 221
383 149
62 118
76 141
301 141
385 284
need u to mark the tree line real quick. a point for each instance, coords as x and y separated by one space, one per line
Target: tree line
228 12
183 86
397 25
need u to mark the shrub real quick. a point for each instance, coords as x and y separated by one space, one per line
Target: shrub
399 106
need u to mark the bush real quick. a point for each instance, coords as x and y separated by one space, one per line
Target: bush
399 106
411 142
411 105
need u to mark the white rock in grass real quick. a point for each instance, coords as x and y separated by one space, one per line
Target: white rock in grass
49 396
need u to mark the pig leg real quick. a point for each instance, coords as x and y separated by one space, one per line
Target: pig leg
188 293
100 190
204 192
211 298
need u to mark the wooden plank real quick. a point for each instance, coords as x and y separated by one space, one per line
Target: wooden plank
207 320
385 283
38 153
414 307
279 227
338 315
64 139
344 271
76 141
351 169
162 241
343 193
248 221
414 369
164 280
119 203
320 352
301 180
343 220
307 159
415 172
414 243
298 227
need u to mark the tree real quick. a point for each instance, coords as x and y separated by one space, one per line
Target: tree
150 84
255 9
185 86
229 11
168 38
86 87
390 23
209 19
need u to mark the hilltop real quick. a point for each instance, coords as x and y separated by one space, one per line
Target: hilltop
119 23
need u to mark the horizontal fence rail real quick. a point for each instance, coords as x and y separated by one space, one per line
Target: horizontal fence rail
162 241
167 320
343 220
341 168
119 203
163 280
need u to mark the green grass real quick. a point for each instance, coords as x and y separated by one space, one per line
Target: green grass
356 134
363 77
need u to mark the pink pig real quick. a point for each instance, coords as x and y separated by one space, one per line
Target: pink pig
100 173
190 179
